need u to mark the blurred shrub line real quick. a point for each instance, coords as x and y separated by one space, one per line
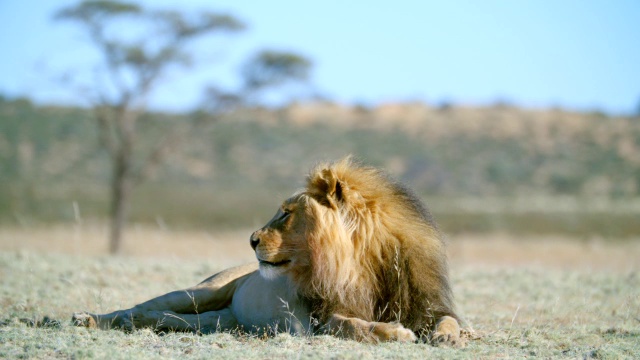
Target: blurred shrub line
495 168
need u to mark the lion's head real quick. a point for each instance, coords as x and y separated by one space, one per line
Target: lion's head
357 242
281 245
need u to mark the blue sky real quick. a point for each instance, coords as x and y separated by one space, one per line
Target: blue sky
577 54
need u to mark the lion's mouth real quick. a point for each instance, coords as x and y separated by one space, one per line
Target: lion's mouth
274 264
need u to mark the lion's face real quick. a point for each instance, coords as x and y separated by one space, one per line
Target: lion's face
281 245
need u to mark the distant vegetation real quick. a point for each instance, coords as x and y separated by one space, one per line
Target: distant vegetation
480 169
130 68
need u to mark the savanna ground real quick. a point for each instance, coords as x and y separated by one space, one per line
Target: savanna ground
535 297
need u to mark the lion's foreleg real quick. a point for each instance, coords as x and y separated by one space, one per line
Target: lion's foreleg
367 331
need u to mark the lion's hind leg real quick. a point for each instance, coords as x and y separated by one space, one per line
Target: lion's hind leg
129 320
205 323
210 299
149 313
116 320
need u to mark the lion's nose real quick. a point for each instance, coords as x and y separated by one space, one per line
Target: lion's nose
254 240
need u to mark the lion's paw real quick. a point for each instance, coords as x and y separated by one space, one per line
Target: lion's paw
405 335
447 333
393 332
84 320
444 338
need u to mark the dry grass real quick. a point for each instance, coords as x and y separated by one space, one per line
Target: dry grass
535 297
224 248
232 247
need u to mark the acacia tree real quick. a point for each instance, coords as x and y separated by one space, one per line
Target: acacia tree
133 63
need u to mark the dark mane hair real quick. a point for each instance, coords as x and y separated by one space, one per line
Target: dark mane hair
376 251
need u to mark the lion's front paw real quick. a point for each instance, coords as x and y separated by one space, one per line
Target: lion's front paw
447 332
444 338
84 320
393 332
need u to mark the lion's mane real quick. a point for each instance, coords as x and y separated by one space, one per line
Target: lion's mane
375 251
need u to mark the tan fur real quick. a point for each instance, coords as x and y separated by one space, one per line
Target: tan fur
353 250
238 298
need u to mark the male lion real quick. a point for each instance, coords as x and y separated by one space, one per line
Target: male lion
353 254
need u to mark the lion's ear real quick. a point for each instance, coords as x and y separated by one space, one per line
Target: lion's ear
327 188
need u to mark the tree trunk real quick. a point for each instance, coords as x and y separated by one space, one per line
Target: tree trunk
121 189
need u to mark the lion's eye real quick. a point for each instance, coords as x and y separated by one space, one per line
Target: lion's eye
285 214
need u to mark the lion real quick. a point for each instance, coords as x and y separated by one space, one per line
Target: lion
354 254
